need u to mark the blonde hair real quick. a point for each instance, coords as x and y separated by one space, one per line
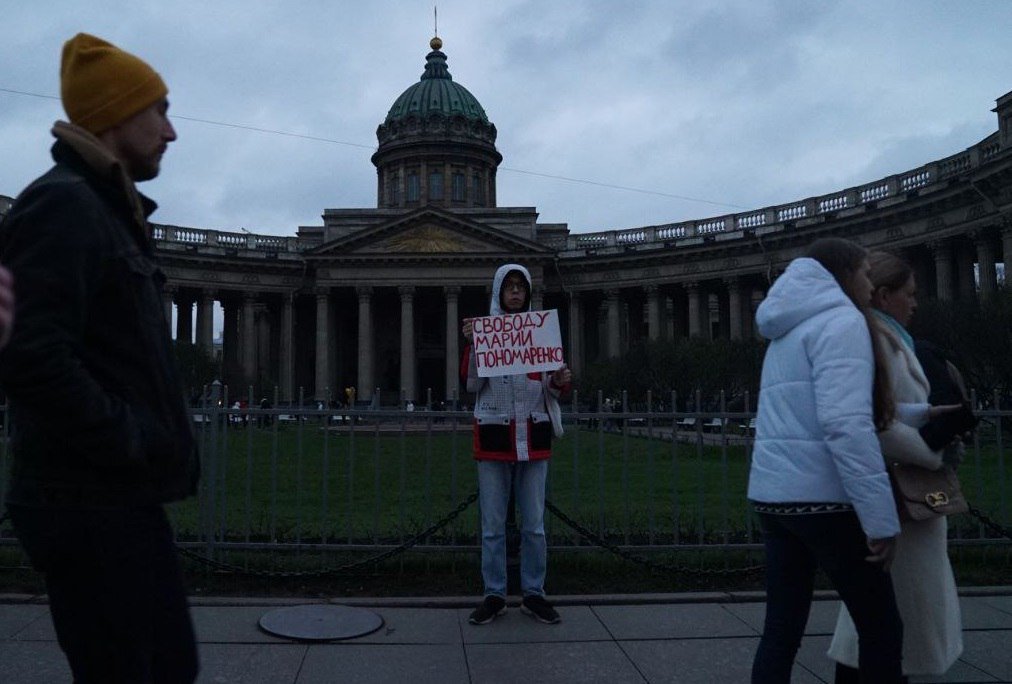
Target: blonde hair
888 271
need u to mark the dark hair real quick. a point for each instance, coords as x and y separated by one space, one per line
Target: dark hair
888 271
842 258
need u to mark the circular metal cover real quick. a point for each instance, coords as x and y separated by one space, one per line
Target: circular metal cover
320 622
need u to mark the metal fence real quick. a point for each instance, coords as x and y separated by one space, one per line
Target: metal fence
370 480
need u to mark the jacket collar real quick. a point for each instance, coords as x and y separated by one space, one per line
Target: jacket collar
82 150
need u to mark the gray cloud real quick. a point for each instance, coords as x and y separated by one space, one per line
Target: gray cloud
751 102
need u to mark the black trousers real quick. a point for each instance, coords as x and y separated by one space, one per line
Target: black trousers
795 546
115 591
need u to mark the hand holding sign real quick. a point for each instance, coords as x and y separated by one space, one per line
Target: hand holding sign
516 343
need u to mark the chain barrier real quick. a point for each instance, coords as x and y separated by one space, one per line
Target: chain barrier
988 523
592 537
347 568
597 540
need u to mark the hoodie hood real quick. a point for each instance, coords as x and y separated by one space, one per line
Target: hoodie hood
495 308
805 289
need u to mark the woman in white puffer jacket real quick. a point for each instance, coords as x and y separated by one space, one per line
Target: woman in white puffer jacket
818 481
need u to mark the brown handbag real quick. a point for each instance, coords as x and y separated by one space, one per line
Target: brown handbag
922 494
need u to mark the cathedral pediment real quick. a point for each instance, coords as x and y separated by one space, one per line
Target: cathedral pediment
428 232
429 238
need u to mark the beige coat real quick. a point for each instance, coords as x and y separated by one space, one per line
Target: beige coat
921 573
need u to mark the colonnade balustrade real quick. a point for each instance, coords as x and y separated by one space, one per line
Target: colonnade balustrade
370 335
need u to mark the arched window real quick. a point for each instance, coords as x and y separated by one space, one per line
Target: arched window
436 185
477 189
459 187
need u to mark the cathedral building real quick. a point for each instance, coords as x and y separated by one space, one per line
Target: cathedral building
373 298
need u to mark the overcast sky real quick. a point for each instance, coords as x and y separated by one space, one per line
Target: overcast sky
744 104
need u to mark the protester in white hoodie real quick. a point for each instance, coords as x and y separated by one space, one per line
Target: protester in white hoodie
818 481
515 419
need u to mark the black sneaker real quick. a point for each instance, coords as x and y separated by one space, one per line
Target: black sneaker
537 607
488 610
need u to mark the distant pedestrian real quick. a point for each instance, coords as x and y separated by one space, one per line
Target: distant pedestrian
264 419
515 418
818 481
101 437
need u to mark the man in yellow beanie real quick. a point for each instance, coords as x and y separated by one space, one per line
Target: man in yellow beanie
101 437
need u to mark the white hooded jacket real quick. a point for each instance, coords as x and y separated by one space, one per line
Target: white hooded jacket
815 436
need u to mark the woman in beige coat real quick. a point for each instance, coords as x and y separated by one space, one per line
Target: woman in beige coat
922 576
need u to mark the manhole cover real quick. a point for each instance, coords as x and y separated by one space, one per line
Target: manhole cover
319 622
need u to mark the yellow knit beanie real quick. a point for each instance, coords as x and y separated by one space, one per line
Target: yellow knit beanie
101 85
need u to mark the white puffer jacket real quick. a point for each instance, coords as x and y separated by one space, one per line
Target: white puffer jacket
815 437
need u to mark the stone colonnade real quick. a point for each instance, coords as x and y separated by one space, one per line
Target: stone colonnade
405 339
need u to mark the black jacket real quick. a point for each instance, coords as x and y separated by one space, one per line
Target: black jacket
98 416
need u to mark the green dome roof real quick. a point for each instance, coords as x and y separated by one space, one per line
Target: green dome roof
436 92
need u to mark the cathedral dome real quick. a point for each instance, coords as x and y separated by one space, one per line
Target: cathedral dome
436 93
436 145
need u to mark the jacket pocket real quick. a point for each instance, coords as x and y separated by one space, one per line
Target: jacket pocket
540 431
145 281
494 434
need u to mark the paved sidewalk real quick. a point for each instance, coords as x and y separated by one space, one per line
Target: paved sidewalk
707 638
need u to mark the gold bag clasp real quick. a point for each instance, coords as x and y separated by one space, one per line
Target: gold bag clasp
936 499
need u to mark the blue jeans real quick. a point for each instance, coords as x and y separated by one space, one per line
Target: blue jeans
795 545
494 479
115 591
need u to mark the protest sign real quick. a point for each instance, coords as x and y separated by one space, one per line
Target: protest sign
517 343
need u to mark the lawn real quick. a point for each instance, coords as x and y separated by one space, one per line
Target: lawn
368 485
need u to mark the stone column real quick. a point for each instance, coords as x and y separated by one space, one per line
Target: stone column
614 332
184 318
205 321
249 343
168 293
574 354
230 343
407 293
452 341
966 284
942 252
653 313
734 308
1006 250
365 344
263 333
286 345
758 295
694 313
322 379
985 264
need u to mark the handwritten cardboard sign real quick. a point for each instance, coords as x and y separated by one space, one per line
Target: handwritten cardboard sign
518 343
